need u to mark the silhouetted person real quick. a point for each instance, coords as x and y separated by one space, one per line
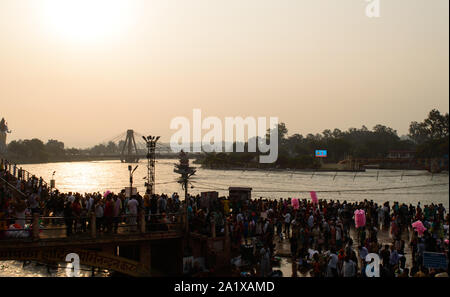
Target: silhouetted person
68 218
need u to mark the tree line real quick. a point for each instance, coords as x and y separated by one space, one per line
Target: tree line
429 139
35 150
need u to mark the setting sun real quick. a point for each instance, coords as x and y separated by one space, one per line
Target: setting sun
87 20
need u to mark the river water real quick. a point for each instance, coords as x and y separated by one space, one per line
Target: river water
410 186
379 186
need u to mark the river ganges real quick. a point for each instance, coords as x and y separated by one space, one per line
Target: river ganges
379 186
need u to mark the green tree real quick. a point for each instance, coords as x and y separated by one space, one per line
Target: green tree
28 149
55 148
111 148
435 127
431 135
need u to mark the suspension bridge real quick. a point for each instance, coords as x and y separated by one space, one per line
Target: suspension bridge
130 146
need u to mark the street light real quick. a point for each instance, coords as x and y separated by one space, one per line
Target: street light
151 156
52 181
131 170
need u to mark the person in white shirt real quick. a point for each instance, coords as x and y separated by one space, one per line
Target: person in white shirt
338 236
71 197
132 207
349 267
90 204
259 227
311 253
311 221
240 217
287 224
99 215
332 264
33 202
380 216
363 252
266 226
176 199
116 213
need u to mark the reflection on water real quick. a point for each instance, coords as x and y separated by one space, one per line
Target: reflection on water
32 269
113 175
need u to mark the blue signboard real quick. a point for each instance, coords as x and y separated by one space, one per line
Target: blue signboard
321 153
434 260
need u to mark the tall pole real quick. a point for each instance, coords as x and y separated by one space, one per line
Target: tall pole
152 166
151 160
149 188
186 199
131 180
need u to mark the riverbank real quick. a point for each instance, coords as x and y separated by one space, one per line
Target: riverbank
71 159
280 169
272 184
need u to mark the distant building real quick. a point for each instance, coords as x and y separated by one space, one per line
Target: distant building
401 155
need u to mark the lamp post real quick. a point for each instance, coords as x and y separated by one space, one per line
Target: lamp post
52 181
131 170
151 157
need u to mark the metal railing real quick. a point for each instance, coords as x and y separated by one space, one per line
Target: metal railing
20 173
9 185
65 227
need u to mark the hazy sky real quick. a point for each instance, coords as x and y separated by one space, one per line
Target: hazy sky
83 71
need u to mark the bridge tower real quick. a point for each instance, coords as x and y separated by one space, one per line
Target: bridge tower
3 132
151 157
129 150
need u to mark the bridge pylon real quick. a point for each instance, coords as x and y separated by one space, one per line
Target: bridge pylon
129 152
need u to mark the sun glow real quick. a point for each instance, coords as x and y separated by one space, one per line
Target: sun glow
88 20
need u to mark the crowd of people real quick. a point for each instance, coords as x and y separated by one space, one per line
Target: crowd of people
21 197
322 236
